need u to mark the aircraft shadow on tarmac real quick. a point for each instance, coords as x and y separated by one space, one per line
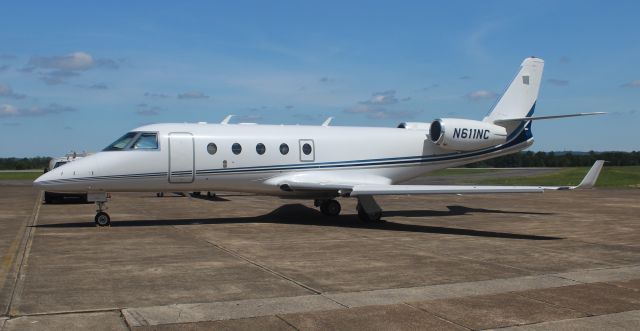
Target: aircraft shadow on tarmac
303 215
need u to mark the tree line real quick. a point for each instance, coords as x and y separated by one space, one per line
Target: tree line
521 159
25 163
559 159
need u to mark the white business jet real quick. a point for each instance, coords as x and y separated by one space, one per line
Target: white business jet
316 162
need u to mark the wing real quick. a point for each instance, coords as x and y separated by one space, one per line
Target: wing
354 189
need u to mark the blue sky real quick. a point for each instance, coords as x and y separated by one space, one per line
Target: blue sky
76 75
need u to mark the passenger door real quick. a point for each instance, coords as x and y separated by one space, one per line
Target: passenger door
181 157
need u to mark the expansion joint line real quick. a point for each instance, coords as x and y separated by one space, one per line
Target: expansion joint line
18 283
267 269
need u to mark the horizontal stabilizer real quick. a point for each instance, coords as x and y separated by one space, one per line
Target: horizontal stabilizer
518 119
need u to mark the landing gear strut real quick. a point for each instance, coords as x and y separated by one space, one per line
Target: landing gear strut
329 207
102 218
368 209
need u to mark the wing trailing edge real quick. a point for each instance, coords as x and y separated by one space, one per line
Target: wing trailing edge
351 189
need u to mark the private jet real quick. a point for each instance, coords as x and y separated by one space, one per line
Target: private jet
320 163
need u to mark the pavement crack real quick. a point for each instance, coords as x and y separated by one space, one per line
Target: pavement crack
551 303
437 316
286 322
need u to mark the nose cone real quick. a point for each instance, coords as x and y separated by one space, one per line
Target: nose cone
40 181
54 180
72 177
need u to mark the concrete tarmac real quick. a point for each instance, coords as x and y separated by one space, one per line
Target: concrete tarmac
558 260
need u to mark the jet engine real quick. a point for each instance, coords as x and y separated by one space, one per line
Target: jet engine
465 135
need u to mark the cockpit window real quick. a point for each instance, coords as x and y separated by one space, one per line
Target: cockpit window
146 140
135 141
59 163
121 143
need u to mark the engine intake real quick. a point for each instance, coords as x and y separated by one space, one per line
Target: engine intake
465 135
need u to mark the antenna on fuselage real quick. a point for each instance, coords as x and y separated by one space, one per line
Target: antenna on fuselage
327 121
227 119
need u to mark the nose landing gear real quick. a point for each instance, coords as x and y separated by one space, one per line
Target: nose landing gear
102 218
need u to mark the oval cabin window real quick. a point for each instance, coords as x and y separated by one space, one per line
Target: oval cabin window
260 148
284 149
212 148
306 149
236 148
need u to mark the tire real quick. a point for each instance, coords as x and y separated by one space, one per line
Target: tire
331 208
102 219
160 194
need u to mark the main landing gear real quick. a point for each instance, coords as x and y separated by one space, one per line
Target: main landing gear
328 207
368 209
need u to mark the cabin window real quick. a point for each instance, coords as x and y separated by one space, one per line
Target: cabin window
306 149
212 148
236 148
122 142
260 148
284 149
146 140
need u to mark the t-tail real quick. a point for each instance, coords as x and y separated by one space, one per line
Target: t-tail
507 125
516 106
519 100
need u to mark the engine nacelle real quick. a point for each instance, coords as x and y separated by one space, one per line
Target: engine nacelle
465 135
414 125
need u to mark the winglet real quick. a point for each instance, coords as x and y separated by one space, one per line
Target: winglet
592 176
327 121
227 119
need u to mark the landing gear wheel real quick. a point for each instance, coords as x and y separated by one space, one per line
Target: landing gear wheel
368 217
160 194
330 208
102 219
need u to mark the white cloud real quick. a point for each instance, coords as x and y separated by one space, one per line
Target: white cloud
8 110
558 82
635 83
54 108
193 95
147 110
378 112
78 61
156 95
7 92
58 69
481 95
382 98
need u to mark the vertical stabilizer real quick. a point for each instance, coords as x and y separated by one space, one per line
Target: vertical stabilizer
520 97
